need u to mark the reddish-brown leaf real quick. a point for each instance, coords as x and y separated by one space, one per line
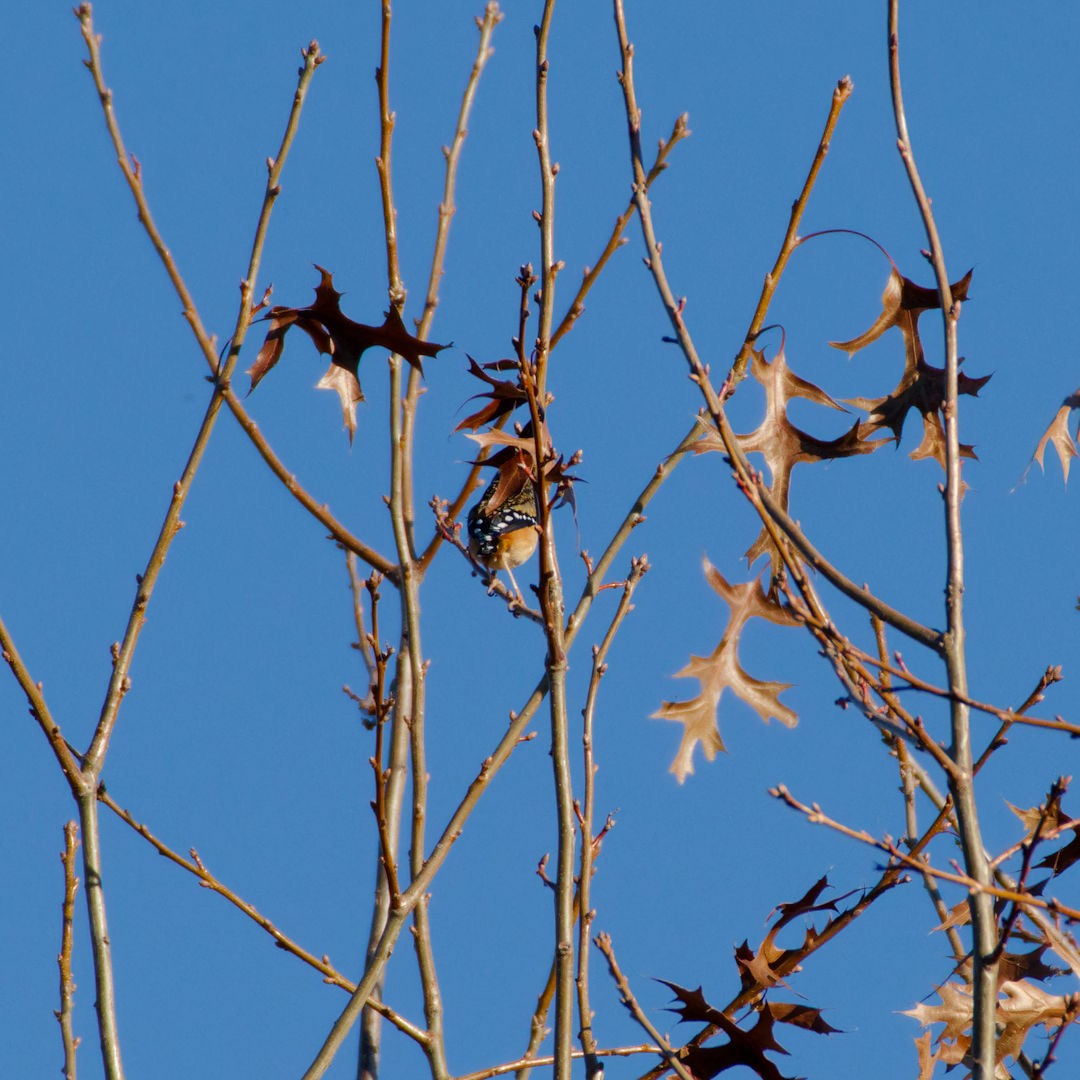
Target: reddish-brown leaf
743 1047
344 341
505 395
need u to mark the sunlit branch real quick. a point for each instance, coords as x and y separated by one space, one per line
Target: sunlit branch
542 1061
587 1037
791 238
67 983
984 977
814 814
671 1060
616 240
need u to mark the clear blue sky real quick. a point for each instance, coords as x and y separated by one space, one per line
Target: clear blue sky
236 738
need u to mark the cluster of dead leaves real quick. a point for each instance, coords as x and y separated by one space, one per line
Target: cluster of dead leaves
783 445
343 340
1022 1005
514 455
759 972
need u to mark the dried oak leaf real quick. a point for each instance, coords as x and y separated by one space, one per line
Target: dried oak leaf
760 970
921 386
801 1016
746 1048
927 1059
781 443
343 340
1045 818
1058 435
721 670
1030 965
1020 1006
505 395
1059 861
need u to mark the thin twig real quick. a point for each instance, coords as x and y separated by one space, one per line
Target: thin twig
67 983
411 664
616 240
638 568
515 1066
816 816
491 18
671 1060
791 238
39 710
196 867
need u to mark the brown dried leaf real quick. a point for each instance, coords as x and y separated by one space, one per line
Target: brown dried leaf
801 1016
927 1059
746 1048
1045 818
721 670
922 386
1015 966
781 443
343 340
1058 435
1059 861
505 396
1020 1006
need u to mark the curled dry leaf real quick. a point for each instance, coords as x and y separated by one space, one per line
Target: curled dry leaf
343 340
721 670
922 386
1058 435
505 395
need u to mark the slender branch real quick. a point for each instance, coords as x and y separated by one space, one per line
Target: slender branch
549 268
635 516
816 816
638 568
101 945
67 983
119 682
486 25
984 977
515 1066
671 1060
411 666
616 240
39 710
791 238
491 18
319 511
196 867
551 594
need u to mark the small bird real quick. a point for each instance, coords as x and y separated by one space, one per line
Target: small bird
504 536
